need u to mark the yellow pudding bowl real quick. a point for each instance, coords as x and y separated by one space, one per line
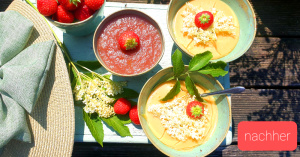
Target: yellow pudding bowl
216 119
230 35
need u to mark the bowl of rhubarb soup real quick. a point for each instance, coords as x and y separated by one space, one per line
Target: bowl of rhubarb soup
128 43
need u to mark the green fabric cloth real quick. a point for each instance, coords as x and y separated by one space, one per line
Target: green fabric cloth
22 75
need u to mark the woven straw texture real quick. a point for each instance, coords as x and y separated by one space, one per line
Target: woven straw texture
52 121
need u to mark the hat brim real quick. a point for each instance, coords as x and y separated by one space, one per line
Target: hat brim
52 121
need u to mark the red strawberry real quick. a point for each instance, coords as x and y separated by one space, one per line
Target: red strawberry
47 7
129 40
204 19
83 12
94 4
70 5
63 15
134 116
195 109
122 106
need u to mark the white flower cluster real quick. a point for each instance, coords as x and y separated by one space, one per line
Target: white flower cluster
221 24
175 120
95 94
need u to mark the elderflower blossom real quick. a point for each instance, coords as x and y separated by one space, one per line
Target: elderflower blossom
175 120
95 94
221 24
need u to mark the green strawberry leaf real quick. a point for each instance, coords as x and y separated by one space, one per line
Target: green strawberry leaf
92 65
214 72
117 125
217 65
95 125
200 60
190 86
173 92
128 94
178 66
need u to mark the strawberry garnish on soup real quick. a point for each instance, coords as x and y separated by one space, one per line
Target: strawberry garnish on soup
195 109
129 40
204 19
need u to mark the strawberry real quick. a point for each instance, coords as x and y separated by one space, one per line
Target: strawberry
94 4
122 106
70 5
129 40
47 7
134 116
63 15
195 109
83 12
204 19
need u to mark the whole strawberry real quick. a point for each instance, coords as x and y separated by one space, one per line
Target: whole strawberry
70 5
134 116
204 19
129 40
63 15
122 106
47 7
83 12
195 109
94 4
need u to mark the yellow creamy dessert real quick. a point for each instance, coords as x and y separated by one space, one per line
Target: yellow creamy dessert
220 38
172 126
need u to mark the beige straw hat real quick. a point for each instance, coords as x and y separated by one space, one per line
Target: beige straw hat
52 121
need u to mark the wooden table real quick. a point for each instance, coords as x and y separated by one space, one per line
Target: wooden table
270 71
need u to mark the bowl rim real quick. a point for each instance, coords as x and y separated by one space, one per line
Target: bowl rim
78 22
230 60
127 11
142 125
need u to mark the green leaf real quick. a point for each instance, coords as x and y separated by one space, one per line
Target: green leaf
128 94
107 76
217 65
95 125
92 65
214 72
117 125
178 66
124 119
200 60
173 92
190 86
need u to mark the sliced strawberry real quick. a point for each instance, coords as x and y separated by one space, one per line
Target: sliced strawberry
195 109
204 19
63 15
129 40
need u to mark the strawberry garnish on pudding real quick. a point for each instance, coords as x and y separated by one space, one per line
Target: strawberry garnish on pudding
204 19
129 40
195 109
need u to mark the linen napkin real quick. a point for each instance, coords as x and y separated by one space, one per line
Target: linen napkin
22 75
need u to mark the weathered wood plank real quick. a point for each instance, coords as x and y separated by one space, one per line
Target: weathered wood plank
277 17
269 62
113 149
266 105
